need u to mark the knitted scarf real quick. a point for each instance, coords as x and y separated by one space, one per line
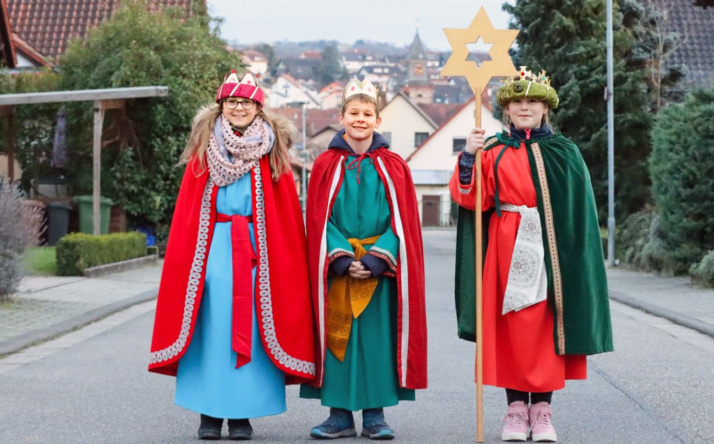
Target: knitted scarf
231 156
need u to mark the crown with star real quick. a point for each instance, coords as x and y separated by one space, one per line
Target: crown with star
355 86
527 84
246 88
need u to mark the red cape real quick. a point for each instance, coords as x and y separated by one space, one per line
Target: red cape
282 295
325 181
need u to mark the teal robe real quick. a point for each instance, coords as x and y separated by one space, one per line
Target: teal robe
367 378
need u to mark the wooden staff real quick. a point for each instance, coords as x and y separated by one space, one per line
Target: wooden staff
479 279
478 77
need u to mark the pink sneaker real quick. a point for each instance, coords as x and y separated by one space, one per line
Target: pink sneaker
541 428
516 419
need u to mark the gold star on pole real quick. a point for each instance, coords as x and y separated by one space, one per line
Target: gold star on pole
500 64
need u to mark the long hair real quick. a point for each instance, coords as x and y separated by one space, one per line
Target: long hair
202 127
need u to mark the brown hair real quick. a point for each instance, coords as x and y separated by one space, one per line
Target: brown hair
364 98
204 122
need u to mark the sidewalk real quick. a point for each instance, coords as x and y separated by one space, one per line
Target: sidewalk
672 298
46 307
49 306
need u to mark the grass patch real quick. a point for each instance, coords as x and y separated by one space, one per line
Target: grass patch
40 261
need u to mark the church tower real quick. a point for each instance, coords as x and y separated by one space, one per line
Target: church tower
420 89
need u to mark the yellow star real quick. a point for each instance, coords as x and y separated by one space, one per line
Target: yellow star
500 64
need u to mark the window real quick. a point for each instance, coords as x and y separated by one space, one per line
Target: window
459 144
419 138
388 135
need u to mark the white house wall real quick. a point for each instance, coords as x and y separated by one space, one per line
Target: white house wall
402 120
437 153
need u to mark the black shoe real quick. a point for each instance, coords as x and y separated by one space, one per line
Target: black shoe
210 428
239 429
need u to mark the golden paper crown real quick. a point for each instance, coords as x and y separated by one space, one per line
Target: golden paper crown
355 86
526 74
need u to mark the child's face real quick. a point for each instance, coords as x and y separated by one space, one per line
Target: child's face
526 113
360 120
239 116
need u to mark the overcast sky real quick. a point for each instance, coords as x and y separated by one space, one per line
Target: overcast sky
394 21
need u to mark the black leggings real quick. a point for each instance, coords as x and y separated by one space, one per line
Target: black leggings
535 398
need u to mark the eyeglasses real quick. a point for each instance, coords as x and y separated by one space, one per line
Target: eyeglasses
233 104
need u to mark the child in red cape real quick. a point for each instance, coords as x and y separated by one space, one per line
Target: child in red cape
231 324
367 275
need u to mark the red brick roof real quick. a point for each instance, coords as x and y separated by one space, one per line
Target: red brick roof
315 120
48 25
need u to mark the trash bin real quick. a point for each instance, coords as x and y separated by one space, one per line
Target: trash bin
58 220
86 215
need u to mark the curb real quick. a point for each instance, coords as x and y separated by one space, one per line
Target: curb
30 338
653 309
115 267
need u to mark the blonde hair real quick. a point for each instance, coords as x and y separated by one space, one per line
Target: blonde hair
204 122
364 98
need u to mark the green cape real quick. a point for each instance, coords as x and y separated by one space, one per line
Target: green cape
580 302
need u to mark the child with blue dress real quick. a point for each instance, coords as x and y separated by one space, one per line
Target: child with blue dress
231 324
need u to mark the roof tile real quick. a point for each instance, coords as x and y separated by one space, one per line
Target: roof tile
48 26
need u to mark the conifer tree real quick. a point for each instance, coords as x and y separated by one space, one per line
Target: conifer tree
567 39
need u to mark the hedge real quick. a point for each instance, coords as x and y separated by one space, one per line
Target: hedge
78 251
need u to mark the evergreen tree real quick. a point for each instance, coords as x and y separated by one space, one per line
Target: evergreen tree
330 67
682 170
567 39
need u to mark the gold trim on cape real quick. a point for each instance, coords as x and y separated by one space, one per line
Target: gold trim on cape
552 247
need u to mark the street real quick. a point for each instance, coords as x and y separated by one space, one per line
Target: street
657 387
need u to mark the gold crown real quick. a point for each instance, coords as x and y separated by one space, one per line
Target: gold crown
525 74
355 86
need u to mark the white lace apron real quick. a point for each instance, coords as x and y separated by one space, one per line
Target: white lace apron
527 279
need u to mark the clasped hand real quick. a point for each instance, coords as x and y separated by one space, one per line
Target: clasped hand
357 271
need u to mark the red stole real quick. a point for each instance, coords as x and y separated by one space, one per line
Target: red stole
325 181
282 300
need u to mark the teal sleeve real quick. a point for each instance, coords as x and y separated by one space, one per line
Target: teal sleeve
337 244
387 248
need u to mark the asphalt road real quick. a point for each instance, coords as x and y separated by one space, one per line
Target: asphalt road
656 388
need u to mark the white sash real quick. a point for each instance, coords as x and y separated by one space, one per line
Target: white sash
527 279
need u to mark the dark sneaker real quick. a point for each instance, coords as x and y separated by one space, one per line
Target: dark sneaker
374 426
239 430
340 424
210 428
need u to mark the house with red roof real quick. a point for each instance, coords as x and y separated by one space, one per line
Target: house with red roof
432 162
42 29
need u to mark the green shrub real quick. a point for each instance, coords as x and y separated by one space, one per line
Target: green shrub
20 225
703 271
78 251
682 170
632 236
653 254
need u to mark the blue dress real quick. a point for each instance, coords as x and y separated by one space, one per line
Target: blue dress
207 381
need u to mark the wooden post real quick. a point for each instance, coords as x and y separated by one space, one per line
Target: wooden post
97 167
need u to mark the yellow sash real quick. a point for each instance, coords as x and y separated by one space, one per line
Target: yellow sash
346 299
